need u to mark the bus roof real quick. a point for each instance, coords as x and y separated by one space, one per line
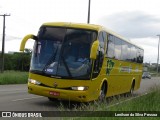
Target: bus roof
89 27
74 25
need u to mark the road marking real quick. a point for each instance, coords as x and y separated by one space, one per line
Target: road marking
27 98
127 100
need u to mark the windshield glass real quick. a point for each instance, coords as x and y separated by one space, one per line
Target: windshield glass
63 52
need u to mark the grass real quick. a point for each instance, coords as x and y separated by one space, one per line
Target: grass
13 77
146 103
154 74
149 102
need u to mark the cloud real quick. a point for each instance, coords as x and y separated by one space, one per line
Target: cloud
150 46
150 42
9 37
134 24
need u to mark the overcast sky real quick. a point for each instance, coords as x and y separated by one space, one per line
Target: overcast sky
137 20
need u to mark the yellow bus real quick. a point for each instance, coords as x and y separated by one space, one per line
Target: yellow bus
82 62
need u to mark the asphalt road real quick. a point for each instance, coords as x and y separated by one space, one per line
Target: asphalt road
16 98
147 85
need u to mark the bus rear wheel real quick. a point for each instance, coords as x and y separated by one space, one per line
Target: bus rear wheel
131 90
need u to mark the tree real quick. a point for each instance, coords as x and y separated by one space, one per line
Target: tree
18 60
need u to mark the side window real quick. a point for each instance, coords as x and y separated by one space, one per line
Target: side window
101 41
129 57
142 53
122 50
139 55
100 55
105 38
118 47
133 54
110 46
124 55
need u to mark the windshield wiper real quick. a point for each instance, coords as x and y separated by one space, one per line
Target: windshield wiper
51 59
66 66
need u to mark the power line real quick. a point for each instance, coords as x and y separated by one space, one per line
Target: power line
10 37
3 42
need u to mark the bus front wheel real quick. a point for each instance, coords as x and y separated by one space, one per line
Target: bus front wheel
102 95
52 99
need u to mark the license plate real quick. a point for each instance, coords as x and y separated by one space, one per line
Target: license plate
54 93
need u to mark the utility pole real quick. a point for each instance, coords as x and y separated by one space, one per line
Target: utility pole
3 42
158 54
89 3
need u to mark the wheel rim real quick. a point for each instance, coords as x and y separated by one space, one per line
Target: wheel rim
131 91
102 93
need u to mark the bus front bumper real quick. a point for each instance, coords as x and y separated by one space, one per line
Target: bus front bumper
72 95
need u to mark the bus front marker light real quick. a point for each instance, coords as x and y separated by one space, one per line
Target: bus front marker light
34 82
80 88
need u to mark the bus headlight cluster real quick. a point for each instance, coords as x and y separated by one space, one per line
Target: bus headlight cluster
34 82
80 88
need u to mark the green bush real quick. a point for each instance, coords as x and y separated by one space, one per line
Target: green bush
13 77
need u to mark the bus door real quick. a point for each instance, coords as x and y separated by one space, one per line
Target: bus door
100 55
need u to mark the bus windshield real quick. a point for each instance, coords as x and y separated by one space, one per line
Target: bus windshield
63 52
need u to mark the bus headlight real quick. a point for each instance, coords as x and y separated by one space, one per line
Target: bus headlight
34 82
80 88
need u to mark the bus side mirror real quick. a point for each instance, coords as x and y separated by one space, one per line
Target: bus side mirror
94 48
25 39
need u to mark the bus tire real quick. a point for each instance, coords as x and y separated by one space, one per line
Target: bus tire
102 94
132 89
52 99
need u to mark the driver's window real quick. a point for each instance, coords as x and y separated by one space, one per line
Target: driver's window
100 55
